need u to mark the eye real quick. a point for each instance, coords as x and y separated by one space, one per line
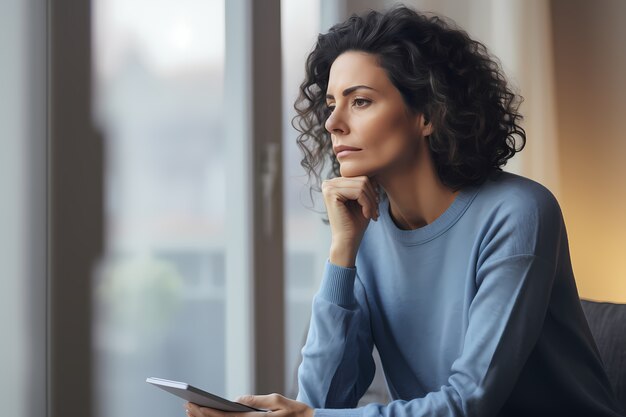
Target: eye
360 102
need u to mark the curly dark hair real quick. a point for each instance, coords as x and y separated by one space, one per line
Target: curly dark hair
441 72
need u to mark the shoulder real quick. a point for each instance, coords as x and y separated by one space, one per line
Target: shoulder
514 197
517 216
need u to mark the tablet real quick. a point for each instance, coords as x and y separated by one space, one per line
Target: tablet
199 397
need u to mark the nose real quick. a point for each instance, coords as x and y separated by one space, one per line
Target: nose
335 124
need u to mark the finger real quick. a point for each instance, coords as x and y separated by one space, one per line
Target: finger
375 188
357 193
271 402
194 410
369 208
370 182
372 191
249 400
343 189
367 186
350 198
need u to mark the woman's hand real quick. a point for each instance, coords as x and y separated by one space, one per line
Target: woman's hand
350 204
278 405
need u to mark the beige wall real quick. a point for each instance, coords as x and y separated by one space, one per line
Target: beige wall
590 75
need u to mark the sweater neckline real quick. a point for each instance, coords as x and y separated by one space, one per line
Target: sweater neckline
432 230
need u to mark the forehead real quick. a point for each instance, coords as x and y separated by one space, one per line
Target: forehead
356 68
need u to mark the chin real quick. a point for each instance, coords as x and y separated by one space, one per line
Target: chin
354 170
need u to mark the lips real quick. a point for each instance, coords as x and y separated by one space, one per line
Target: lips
343 150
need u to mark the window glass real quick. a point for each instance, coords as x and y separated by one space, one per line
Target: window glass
160 292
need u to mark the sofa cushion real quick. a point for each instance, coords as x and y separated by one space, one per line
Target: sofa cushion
607 322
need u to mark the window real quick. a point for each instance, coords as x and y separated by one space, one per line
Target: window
159 297
23 206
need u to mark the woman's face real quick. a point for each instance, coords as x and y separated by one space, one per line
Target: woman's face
369 118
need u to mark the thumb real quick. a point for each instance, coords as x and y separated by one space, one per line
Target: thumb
247 400
265 402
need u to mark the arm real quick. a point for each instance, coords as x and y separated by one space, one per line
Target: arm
505 320
337 365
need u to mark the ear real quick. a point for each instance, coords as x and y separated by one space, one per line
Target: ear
423 125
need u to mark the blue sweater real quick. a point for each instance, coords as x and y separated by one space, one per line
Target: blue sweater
475 314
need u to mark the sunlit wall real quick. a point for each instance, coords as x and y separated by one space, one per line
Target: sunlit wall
590 63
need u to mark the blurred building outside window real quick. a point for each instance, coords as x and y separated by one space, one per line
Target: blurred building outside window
160 294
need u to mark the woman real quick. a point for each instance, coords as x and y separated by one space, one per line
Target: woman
457 272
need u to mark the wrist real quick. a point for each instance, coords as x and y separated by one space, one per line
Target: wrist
342 255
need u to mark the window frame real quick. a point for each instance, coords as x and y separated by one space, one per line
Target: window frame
75 204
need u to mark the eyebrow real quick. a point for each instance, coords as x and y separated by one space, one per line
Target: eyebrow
350 90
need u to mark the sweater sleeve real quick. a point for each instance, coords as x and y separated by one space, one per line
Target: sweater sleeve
505 320
337 365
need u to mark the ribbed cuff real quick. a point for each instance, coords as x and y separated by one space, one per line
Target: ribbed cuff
338 412
338 284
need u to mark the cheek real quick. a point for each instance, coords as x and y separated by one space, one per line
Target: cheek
390 122
395 151
390 140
